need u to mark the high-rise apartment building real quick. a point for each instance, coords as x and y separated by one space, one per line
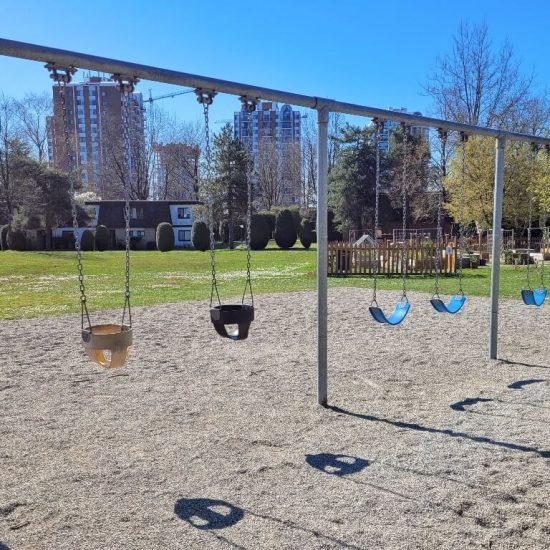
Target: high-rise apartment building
392 125
268 121
95 119
273 135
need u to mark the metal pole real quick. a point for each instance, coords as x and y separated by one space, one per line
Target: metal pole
65 58
497 245
322 254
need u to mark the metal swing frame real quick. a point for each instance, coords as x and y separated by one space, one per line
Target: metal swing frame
323 106
240 316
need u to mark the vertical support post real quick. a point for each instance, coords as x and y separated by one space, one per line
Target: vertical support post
497 245
322 254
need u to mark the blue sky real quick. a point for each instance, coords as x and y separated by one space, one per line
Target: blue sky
375 53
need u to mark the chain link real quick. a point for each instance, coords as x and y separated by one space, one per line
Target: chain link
439 235
249 105
378 127
206 99
406 129
462 221
63 77
545 216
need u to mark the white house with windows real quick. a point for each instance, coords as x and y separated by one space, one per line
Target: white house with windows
145 216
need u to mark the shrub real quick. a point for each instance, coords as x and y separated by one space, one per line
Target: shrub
270 218
151 245
17 240
200 236
4 237
306 233
285 233
165 237
102 238
259 232
87 240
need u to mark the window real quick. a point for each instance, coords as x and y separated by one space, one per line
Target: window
184 213
184 235
137 213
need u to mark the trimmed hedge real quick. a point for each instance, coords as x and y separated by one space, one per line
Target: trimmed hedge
102 238
200 236
165 237
87 240
17 240
4 237
285 232
270 218
306 233
259 232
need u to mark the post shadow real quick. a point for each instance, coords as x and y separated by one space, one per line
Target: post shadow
459 405
522 364
447 432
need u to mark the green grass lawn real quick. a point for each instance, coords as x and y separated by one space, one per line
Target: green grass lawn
45 283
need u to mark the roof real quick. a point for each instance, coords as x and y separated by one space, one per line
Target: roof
111 213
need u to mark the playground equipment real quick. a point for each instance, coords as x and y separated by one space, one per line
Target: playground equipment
534 296
225 315
106 344
324 107
403 306
457 301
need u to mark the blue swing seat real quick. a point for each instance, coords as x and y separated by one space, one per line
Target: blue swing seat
454 306
398 314
534 297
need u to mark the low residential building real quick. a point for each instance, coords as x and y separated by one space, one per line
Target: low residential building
145 216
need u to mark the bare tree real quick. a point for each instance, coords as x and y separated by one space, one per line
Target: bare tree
9 145
270 187
32 111
475 84
309 162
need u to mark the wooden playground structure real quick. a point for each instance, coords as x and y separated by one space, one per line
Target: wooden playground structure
418 258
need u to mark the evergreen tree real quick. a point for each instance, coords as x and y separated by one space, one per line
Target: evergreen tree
231 161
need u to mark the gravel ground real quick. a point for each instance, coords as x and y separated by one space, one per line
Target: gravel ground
203 443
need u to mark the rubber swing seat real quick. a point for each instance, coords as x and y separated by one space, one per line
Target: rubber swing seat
114 339
454 306
398 314
534 297
233 314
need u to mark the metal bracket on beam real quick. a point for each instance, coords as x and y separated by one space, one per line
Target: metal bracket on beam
125 84
62 75
205 97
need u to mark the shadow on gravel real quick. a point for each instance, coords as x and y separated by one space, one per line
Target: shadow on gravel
337 465
459 406
207 513
521 364
520 384
449 433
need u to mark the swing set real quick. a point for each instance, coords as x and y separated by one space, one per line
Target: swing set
102 341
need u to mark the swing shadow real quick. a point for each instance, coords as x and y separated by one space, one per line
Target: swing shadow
520 384
208 514
447 432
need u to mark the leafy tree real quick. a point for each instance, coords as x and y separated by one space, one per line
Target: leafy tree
231 163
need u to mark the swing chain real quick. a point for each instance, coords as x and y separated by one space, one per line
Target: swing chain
443 134
545 216
379 126
405 128
62 77
463 141
249 106
205 98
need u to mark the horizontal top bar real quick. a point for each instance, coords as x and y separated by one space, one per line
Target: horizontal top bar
64 58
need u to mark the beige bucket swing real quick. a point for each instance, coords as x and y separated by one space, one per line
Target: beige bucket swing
107 345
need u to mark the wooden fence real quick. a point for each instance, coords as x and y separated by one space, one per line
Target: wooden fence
345 259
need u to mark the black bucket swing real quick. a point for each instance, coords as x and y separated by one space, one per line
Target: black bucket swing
534 296
403 306
225 316
457 301
107 345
